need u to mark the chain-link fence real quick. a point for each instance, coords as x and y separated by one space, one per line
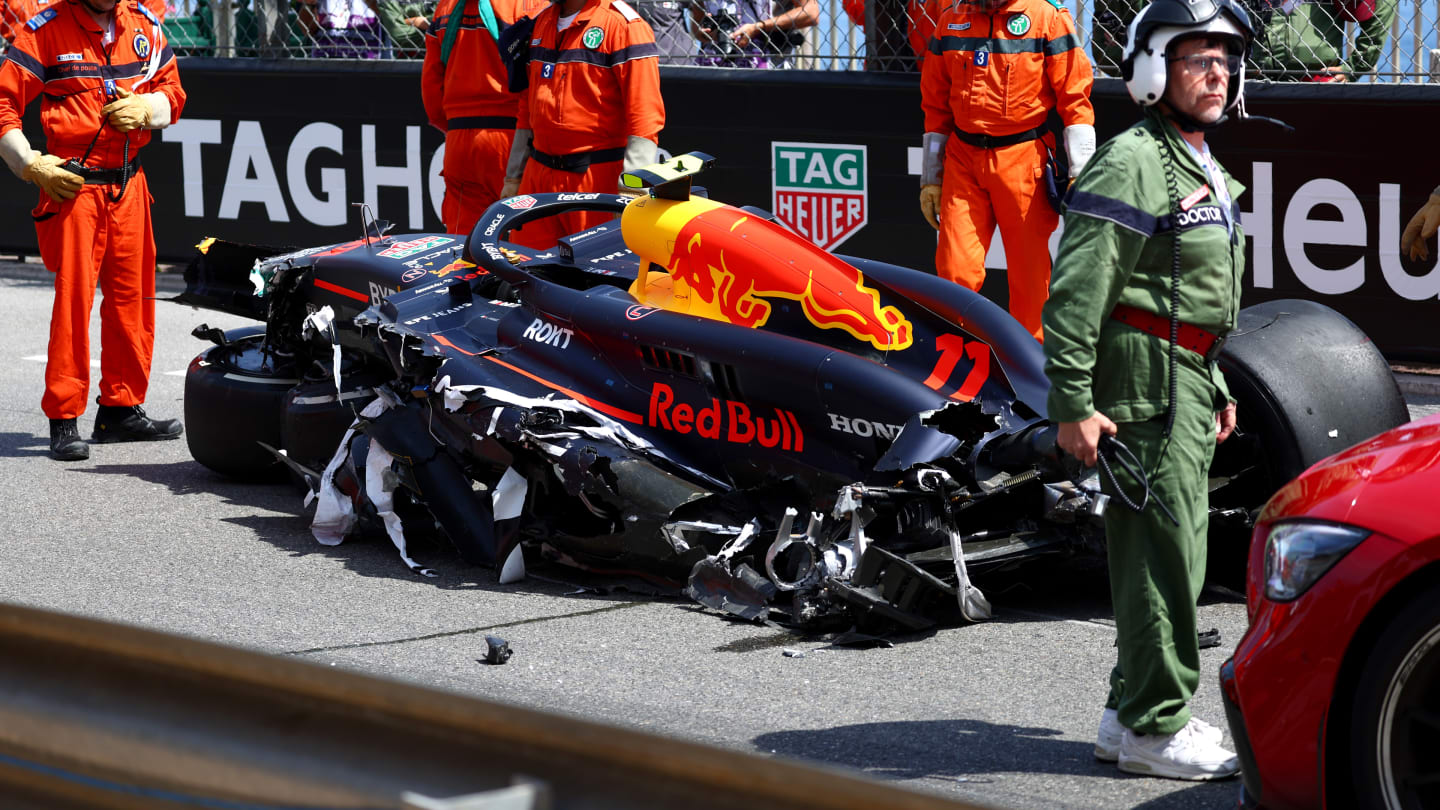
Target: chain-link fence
1299 40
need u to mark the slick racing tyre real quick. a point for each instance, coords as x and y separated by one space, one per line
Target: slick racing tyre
234 400
1307 384
314 418
1394 741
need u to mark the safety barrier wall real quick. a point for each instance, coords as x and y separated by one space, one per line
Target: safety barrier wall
276 153
1390 40
112 717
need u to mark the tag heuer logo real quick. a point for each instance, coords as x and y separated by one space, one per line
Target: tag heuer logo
821 190
593 37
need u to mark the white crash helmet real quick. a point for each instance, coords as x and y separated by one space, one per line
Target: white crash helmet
1144 66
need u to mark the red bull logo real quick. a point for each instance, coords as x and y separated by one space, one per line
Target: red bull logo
733 263
724 419
457 266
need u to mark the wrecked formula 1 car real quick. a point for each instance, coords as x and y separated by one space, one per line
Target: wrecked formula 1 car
694 394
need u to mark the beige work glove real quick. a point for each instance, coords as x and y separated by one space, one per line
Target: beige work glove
509 189
128 111
45 172
1415 241
1079 146
930 205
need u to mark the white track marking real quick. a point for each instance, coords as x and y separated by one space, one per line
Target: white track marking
40 358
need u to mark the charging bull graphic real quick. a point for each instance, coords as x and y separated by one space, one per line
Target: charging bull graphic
732 264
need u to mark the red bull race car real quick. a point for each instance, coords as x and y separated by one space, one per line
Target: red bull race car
696 395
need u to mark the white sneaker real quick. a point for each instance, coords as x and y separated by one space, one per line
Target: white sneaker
1107 740
1190 753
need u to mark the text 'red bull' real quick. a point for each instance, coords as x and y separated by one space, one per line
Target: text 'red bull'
724 419
734 261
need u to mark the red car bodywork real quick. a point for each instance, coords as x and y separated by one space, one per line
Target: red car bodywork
1280 686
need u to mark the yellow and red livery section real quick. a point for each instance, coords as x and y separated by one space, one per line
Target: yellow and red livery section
725 264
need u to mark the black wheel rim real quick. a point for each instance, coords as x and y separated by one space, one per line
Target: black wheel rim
1408 743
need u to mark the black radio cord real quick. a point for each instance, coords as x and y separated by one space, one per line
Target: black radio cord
1112 449
1173 187
125 152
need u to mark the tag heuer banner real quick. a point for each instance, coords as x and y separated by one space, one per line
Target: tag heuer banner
820 190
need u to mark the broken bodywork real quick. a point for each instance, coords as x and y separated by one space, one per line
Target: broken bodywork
691 393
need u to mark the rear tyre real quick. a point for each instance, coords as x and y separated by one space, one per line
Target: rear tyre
1395 713
1308 384
234 399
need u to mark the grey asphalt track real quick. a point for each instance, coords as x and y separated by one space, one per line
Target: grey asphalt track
1001 713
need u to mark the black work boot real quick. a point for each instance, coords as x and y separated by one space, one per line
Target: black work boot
65 441
115 423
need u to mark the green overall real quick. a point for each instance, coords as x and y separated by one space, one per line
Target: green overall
1116 249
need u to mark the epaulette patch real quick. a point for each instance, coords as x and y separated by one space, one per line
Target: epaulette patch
149 15
1057 4
625 10
40 19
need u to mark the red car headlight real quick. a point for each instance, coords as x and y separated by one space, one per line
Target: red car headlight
1298 553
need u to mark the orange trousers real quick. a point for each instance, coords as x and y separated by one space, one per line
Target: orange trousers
599 177
474 173
88 241
983 188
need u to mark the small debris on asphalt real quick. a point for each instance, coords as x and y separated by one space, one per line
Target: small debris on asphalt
789 653
499 650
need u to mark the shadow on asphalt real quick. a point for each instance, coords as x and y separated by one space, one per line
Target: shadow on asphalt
1071 588
20 445
276 514
969 751
39 277
371 555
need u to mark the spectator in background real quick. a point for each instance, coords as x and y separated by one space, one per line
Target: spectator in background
592 109
1305 39
1298 40
405 24
667 20
14 13
463 84
1108 34
342 29
996 70
921 15
896 31
714 21
1421 228
751 33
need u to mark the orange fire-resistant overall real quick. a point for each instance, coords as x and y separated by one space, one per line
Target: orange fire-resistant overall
103 235
467 98
591 87
999 74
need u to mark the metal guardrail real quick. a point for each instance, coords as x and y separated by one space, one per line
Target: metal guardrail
1301 40
101 715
